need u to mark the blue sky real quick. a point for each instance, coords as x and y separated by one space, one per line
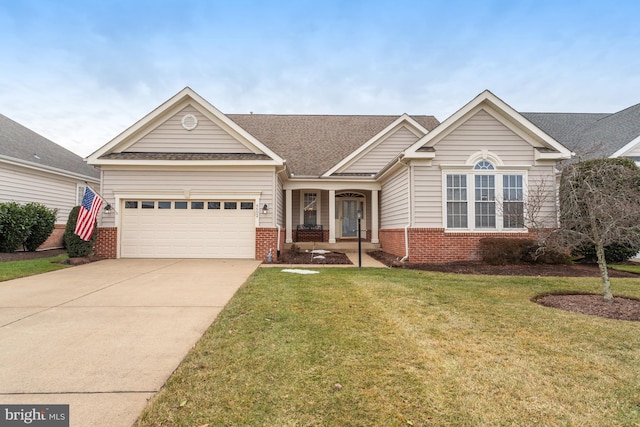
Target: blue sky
81 72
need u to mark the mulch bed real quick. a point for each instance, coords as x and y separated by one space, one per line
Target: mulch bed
595 305
49 253
333 258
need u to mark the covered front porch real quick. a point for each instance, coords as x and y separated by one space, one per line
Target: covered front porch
330 215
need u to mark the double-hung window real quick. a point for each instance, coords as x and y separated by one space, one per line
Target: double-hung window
310 208
484 199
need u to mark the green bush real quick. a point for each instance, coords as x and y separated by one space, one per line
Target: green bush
15 224
612 253
76 247
502 251
43 221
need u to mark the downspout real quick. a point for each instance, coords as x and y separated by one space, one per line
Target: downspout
278 245
406 228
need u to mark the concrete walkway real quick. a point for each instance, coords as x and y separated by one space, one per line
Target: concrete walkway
104 337
367 261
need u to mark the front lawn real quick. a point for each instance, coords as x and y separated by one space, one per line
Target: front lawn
15 269
376 347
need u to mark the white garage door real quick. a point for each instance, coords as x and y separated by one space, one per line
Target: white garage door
187 229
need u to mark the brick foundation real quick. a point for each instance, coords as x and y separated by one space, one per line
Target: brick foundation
433 245
267 238
106 245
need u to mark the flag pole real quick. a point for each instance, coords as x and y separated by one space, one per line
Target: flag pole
108 205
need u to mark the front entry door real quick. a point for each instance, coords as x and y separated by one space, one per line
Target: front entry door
349 218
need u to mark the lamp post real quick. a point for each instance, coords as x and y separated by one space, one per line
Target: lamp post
359 239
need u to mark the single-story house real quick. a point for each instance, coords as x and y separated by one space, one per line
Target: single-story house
35 169
190 181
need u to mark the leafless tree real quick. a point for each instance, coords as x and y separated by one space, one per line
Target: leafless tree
600 205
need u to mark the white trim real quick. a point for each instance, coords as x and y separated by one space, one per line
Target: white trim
112 162
627 147
322 184
179 101
377 139
318 194
508 116
471 210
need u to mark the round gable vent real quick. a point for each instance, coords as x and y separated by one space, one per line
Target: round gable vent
189 122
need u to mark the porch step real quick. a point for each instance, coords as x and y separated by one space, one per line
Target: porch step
342 246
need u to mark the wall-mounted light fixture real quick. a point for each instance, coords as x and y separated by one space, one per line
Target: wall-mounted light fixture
265 209
108 208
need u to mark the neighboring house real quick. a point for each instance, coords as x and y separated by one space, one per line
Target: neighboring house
594 135
35 169
189 181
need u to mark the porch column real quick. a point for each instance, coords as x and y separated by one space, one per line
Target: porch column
332 216
288 216
374 217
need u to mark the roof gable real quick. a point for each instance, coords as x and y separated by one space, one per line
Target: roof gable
546 146
146 135
377 152
21 145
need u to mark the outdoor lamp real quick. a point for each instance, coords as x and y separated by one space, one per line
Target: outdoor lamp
265 209
107 208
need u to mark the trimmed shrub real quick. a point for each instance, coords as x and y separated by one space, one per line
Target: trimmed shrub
612 253
43 221
76 247
15 224
502 251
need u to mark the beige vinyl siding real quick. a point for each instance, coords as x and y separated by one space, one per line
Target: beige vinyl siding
279 202
394 200
171 137
543 177
427 188
379 156
226 182
483 132
23 185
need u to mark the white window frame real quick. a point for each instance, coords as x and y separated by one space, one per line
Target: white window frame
470 173
318 205
80 195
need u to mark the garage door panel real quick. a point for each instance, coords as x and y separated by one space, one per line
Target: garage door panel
188 233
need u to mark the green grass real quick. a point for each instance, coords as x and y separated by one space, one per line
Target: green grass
631 268
15 269
408 348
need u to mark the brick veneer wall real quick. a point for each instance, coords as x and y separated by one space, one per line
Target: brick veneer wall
267 238
106 245
433 245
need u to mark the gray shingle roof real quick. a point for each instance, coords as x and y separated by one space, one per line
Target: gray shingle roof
591 135
21 143
313 144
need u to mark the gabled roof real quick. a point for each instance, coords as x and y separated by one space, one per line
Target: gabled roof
107 153
592 135
546 146
22 145
313 144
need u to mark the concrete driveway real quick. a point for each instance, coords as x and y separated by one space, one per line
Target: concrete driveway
104 337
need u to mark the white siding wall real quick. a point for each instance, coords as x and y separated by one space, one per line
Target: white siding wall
24 185
212 181
171 137
480 132
394 200
427 188
380 155
543 177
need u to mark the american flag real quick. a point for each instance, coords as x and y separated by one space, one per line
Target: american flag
91 204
